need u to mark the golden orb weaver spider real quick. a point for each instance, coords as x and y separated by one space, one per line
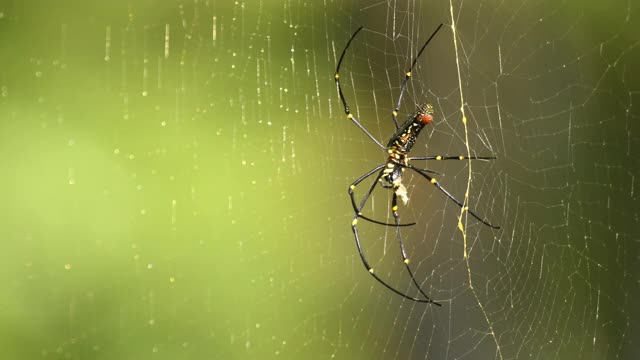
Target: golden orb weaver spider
390 173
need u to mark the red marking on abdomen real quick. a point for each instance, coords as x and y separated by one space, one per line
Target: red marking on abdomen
426 119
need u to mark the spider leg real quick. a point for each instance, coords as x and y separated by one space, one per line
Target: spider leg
431 172
370 269
341 94
407 75
358 208
403 252
447 157
444 191
397 225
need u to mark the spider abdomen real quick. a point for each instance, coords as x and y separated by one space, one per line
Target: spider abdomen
398 148
403 140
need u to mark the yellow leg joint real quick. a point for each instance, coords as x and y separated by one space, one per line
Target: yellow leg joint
433 181
406 261
354 222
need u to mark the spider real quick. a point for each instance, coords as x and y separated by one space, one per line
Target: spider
389 174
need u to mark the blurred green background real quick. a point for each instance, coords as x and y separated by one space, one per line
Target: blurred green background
175 177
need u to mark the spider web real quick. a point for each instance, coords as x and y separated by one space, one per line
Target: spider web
553 104
178 172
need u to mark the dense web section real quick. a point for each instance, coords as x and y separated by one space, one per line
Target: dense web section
183 193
